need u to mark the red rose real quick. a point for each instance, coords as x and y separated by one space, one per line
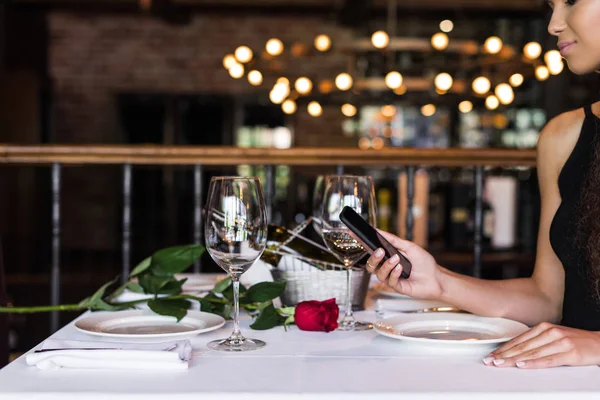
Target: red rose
317 315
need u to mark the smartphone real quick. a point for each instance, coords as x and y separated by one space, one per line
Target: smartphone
373 239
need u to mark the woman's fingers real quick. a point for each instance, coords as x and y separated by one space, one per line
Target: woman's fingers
374 260
386 268
537 336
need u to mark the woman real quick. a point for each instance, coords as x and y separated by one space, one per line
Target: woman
564 287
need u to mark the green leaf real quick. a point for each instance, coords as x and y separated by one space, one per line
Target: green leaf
175 308
141 267
100 292
222 285
289 311
152 284
172 287
267 319
174 260
101 305
206 306
265 291
134 287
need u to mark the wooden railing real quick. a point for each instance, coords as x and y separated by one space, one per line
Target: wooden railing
129 155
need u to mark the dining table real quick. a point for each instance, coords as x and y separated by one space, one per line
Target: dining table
298 364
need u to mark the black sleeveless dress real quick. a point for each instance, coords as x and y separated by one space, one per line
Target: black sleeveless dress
579 308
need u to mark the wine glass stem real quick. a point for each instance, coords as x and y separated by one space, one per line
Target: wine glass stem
236 335
348 315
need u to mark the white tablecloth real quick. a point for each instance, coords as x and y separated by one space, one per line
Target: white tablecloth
297 364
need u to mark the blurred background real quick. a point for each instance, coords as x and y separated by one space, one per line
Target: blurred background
370 75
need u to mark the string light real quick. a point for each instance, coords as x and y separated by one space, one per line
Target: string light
393 80
552 56
343 81
493 45
443 81
504 93
556 67
401 90
542 73
481 85
314 109
364 143
289 106
255 77
532 50
283 80
229 61
236 71
446 26
380 39
492 102
348 110
428 110
276 96
465 106
377 143
322 42
388 111
274 47
516 80
439 41
303 85
243 54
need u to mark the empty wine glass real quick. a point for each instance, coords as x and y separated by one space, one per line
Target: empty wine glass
358 193
235 233
317 202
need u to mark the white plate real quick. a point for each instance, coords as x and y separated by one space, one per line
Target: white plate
199 282
450 329
146 325
384 290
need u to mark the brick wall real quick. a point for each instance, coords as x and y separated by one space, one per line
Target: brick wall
92 58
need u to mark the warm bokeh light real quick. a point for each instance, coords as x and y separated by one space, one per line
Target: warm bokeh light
377 143
532 50
380 39
428 110
322 42
348 110
492 102
303 85
243 54
283 80
343 81
493 45
289 106
504 93
516 80
314 109
388 111
325 86
556 67
236 71
255 77
465 106
229 61
364 143
443 81
446 25
274 47
401 90
276 96
481 85
439 41
393 79
542 73
552 56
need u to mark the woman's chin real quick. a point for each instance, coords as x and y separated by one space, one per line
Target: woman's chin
579 68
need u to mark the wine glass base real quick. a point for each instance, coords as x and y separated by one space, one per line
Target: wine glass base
236 345
354 326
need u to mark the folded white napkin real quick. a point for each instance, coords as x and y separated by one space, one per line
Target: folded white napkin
55 354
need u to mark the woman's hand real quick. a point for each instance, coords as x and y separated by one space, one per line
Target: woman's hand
547 345
425 279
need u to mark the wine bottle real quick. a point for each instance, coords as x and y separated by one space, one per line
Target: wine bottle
279 237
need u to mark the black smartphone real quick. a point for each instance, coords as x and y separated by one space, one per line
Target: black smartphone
373 239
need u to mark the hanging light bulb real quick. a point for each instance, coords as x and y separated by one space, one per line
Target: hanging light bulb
314 109
364 143
303 85
322 42
282 88
446 26
532 50
552 56
492 102
393 79
542 73
236 71
556 67
401 90
493 45
255 77
283 80
380 39
481 85
229 61
274 47
348 110
439 41
516 80
504 93
465 106
443 81
325 86
289 106
276 96
343 81
243 54
388 111
428 110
